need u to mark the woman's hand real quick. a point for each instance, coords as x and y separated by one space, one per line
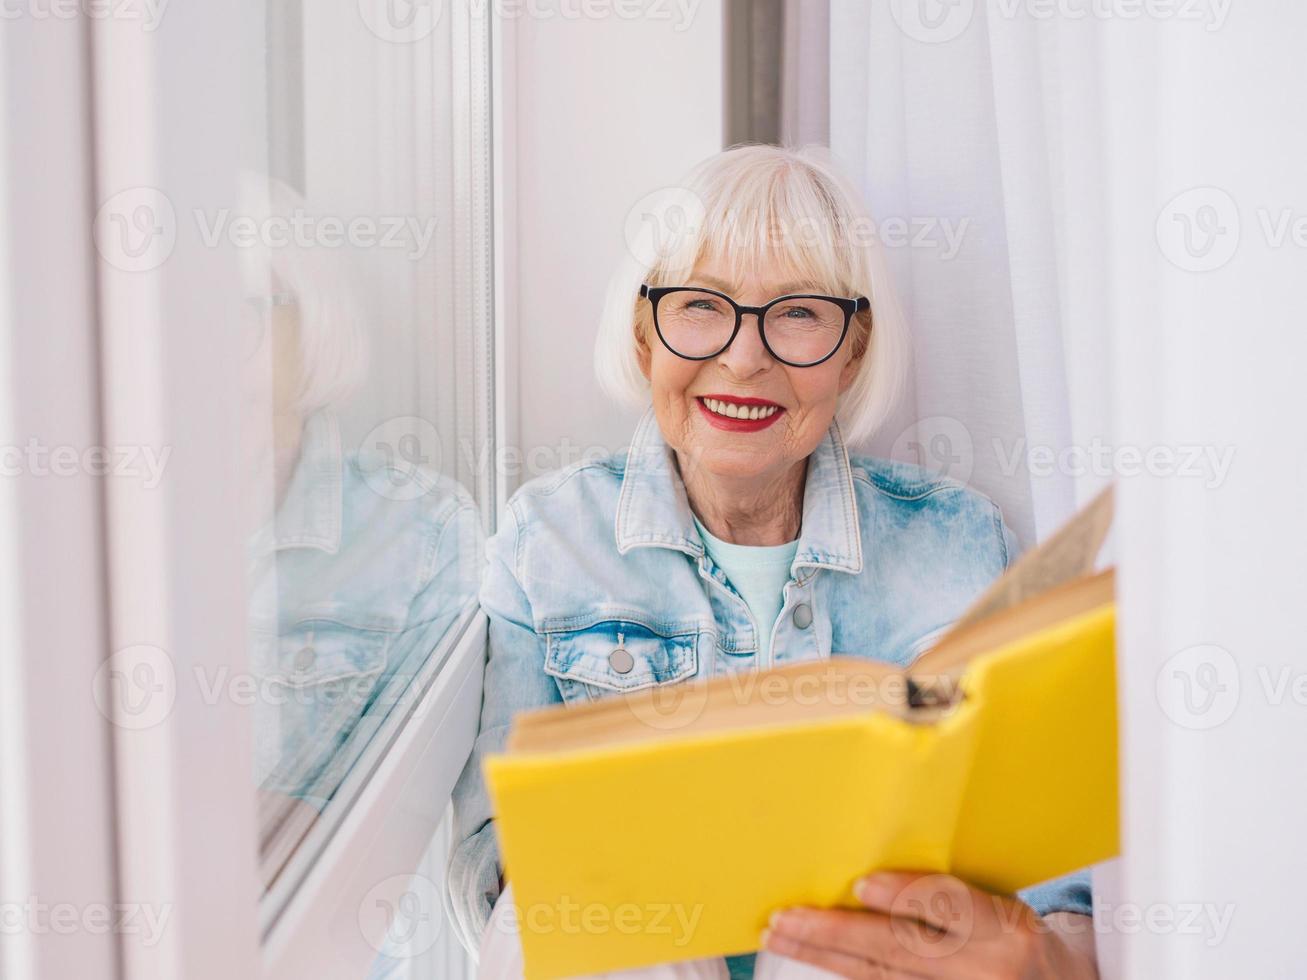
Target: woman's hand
934 925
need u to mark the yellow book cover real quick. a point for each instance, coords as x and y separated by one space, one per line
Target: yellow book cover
646 829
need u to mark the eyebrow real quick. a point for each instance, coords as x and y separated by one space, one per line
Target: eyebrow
790 287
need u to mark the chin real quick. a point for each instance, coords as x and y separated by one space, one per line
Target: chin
732 460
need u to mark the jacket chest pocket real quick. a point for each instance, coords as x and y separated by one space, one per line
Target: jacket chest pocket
317 652
319 677
618 656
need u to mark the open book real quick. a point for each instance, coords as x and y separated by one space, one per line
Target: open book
669 823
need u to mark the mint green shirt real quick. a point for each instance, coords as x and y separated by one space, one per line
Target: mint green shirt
759 574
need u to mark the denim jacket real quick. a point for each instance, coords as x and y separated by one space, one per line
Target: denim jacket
888 556
353 585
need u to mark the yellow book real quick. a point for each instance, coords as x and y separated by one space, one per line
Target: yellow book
668 825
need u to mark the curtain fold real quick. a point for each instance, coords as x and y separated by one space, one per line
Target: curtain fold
961 147
1126 304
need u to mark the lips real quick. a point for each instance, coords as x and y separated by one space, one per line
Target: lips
738 414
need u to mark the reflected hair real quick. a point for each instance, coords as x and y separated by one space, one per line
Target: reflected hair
333 336
755 208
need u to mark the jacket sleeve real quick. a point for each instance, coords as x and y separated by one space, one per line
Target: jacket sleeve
1072 893
514 681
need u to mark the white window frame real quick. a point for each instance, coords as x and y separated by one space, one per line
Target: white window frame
56 790
165 814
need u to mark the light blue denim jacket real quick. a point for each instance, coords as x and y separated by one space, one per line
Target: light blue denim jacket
353 585
888 557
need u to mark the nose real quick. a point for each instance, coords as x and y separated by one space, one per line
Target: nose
747 355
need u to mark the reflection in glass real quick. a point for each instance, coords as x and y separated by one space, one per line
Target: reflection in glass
359 560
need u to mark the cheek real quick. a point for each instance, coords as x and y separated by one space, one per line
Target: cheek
817 387
670 376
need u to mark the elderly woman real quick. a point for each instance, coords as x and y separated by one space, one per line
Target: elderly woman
765 337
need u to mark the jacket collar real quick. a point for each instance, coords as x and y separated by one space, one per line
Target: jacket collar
653 510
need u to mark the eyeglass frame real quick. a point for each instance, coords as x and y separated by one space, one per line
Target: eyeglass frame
851 307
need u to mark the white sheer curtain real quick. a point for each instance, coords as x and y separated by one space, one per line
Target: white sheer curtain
1126 301
977 155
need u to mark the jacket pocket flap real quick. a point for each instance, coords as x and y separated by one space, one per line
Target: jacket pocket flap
620 655
318 651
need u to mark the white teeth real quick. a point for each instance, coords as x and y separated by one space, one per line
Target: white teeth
733 411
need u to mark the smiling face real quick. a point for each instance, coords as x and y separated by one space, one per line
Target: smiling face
743 415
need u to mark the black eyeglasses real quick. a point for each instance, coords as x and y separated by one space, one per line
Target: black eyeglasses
800 329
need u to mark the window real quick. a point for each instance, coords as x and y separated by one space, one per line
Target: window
365 384
286 304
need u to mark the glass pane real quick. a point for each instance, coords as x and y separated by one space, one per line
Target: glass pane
804 330
694 323
365 387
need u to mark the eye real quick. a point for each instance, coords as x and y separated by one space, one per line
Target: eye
797 312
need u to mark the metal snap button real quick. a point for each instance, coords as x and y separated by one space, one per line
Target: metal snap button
305 657
803 615
621 660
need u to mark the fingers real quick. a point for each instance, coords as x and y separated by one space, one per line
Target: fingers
937 900
916 924
842 964
945 903
856 935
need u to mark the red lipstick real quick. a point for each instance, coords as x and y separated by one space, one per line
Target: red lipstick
728 424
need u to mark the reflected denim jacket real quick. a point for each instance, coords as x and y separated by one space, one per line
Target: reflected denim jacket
353 585
888 557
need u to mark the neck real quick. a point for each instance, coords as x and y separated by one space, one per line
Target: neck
758 511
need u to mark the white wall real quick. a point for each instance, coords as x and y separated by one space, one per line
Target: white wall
606 110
